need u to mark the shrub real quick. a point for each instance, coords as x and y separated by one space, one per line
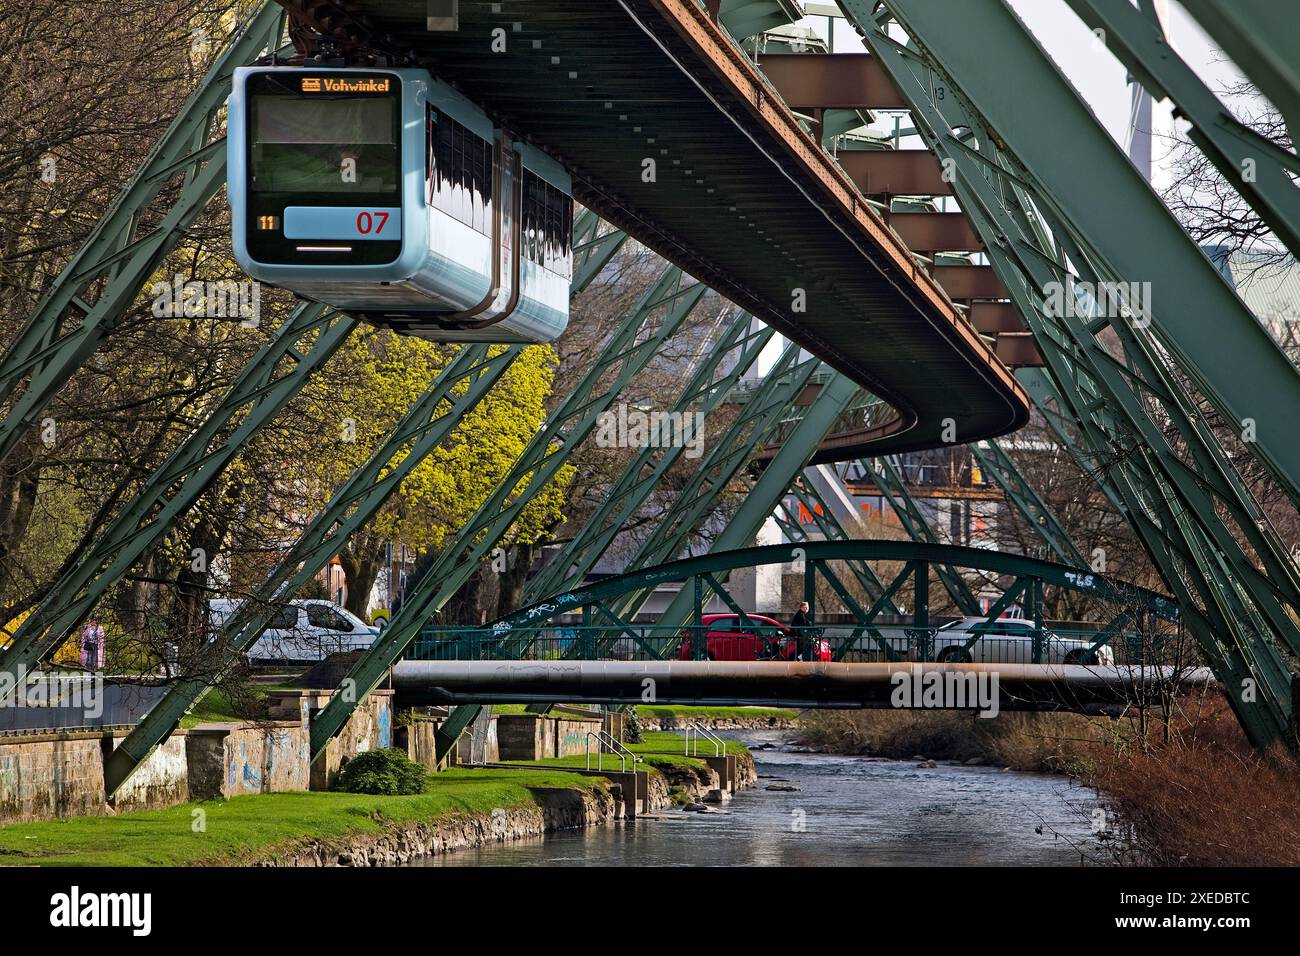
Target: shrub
632 727
387 772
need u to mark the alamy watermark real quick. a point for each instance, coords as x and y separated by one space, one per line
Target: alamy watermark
1099 300
624 427
942 689
193 299
37 689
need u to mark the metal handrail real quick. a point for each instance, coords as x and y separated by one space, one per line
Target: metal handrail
605 739
719 745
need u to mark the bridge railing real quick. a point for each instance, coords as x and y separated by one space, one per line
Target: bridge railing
846 642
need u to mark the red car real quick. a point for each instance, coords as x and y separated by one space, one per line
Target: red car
728 638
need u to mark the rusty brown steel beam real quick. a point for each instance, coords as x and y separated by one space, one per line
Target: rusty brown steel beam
1017 349
848 81
970 282
990 318
927 232
895 172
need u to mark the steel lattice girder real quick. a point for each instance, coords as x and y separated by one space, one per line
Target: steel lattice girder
306 340
994 459
421 429
425 425
1195 314
631 348
1261 38
759 504
1257 168
894 490
112 252
831 530
634 486
835 396
1241 624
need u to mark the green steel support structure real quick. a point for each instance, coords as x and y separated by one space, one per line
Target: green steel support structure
1118 389
1261 171
1260 37
659 314
1129 233
706 392
759 417
893 489
996 463
303 343
427 423
815 423
831 530
46 351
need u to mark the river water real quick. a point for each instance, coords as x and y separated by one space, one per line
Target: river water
849 811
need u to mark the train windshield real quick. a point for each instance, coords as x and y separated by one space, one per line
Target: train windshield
331 144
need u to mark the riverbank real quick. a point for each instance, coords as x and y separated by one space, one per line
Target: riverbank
1045 743
460 808
668 717
675 778
1189 793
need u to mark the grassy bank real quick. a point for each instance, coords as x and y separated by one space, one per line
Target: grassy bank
659 711
245 828
1192 794
659 750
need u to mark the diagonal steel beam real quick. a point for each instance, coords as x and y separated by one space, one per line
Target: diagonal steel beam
632 347
1261 171
305 341
1195 314
452 394
995 461
113 254
1235 617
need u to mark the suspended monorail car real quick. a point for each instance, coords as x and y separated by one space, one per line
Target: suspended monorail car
389 195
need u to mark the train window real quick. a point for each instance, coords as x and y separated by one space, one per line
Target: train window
328 145
461 184
547 225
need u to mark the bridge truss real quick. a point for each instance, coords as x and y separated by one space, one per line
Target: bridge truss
1114 392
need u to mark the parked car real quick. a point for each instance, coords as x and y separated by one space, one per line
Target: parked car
303 631
1010 641
728 638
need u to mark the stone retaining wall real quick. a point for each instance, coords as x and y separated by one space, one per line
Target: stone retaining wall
229 760
44 776
398 844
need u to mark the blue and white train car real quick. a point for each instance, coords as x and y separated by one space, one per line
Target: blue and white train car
387 194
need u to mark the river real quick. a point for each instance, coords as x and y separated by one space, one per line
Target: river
849 811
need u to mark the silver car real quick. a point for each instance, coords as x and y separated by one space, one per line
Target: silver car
1011 641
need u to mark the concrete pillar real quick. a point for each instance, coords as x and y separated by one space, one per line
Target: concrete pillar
759 589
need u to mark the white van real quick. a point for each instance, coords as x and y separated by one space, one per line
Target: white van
303 632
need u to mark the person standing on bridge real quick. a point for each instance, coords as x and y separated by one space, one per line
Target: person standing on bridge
92 645
802 624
